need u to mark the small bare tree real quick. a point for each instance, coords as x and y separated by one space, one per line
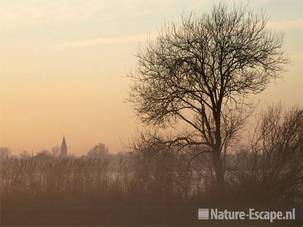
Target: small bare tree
271 167
199 73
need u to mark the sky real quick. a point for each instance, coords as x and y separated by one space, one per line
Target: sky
64 66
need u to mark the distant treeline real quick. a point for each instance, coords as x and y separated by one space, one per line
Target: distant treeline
266 172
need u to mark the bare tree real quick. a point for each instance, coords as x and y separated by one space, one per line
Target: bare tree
200 71
271 166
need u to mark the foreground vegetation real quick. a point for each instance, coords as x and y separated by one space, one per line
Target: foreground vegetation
157 183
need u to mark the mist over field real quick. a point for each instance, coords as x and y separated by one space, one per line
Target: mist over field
131 113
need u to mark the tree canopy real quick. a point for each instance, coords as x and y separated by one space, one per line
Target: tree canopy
199 71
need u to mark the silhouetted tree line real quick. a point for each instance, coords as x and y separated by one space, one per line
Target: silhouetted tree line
268 170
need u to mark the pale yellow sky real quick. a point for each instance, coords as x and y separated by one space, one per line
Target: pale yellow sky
63 66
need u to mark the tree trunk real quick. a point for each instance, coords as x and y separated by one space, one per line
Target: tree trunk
219 171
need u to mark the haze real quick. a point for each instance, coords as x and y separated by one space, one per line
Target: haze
63 66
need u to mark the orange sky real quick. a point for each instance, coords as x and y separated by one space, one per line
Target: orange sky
63 67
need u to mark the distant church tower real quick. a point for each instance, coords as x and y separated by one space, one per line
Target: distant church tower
63 152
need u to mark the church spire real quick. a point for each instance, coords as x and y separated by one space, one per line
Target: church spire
63 152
